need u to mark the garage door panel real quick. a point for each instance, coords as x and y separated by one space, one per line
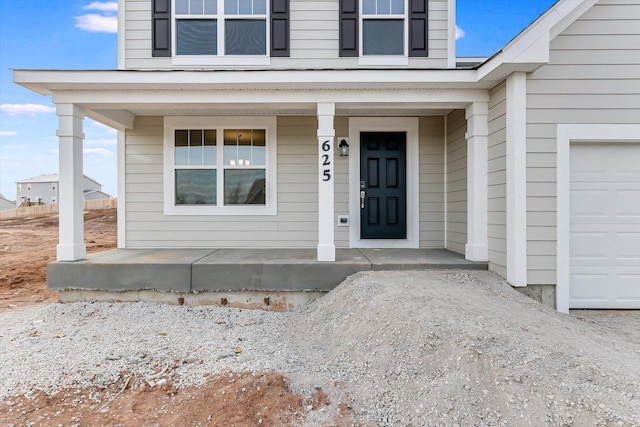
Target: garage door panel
605 226
589 287
628 246
582 203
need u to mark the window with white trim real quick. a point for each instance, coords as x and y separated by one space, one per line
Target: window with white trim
220 166
220 27
383 27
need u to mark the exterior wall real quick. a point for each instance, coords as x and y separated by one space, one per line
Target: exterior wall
313 38
341 183
593 77
456 181
431 151
497 179
39 190
295 225
6 204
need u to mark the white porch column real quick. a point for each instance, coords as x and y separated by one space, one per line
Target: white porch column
477 136
71 245
326 137
517 179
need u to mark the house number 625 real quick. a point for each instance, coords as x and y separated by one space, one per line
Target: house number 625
326 175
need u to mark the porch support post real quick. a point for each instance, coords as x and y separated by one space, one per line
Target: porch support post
517 179
71 245
477 136
326 136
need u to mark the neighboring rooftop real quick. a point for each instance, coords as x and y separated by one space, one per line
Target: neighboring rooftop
49 177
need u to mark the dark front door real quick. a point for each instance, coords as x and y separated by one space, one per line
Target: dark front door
383 193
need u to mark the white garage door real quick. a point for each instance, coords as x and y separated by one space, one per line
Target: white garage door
605 226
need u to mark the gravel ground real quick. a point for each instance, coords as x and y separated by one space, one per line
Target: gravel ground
403 348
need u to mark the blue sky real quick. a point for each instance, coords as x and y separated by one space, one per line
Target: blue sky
80 34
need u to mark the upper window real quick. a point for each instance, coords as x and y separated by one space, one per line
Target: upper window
383 27
220 27
383 32
221 167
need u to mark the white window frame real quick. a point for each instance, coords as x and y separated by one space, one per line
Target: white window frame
221 58
383 59
220 123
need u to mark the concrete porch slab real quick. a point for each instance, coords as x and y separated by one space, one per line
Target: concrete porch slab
419 259
237 270
122 270
274 270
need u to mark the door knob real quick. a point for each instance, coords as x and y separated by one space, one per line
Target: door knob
362 196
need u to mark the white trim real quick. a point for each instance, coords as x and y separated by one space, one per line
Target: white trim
122 192
411 126
230 60
567 134
517 179
451 45
122 52
477 136
445 242
220 122
383 60
326 250
71 246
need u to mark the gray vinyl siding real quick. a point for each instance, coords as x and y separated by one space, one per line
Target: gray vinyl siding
497 180
593 77
341 183
431 149
456 181
313 38
296 224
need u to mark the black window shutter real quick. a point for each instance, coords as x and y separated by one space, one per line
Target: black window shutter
349 28
161 28
280 28
418 28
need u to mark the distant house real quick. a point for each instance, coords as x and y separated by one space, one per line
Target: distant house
6 204
44 189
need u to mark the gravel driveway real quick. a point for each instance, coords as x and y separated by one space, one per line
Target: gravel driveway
406 348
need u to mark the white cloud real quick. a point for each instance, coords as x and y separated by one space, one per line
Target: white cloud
26 109
459 33
8 133
97 23
98 151
101 142
111 6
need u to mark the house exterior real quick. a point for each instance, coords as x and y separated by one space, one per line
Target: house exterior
6 204
45 189
230 118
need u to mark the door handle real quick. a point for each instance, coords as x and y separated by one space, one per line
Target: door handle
362 196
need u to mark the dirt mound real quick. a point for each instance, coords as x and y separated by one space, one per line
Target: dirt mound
242 399
416 347
28 244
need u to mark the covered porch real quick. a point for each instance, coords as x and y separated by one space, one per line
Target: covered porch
310 224
218 275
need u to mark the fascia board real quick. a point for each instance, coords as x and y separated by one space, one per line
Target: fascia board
47 81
